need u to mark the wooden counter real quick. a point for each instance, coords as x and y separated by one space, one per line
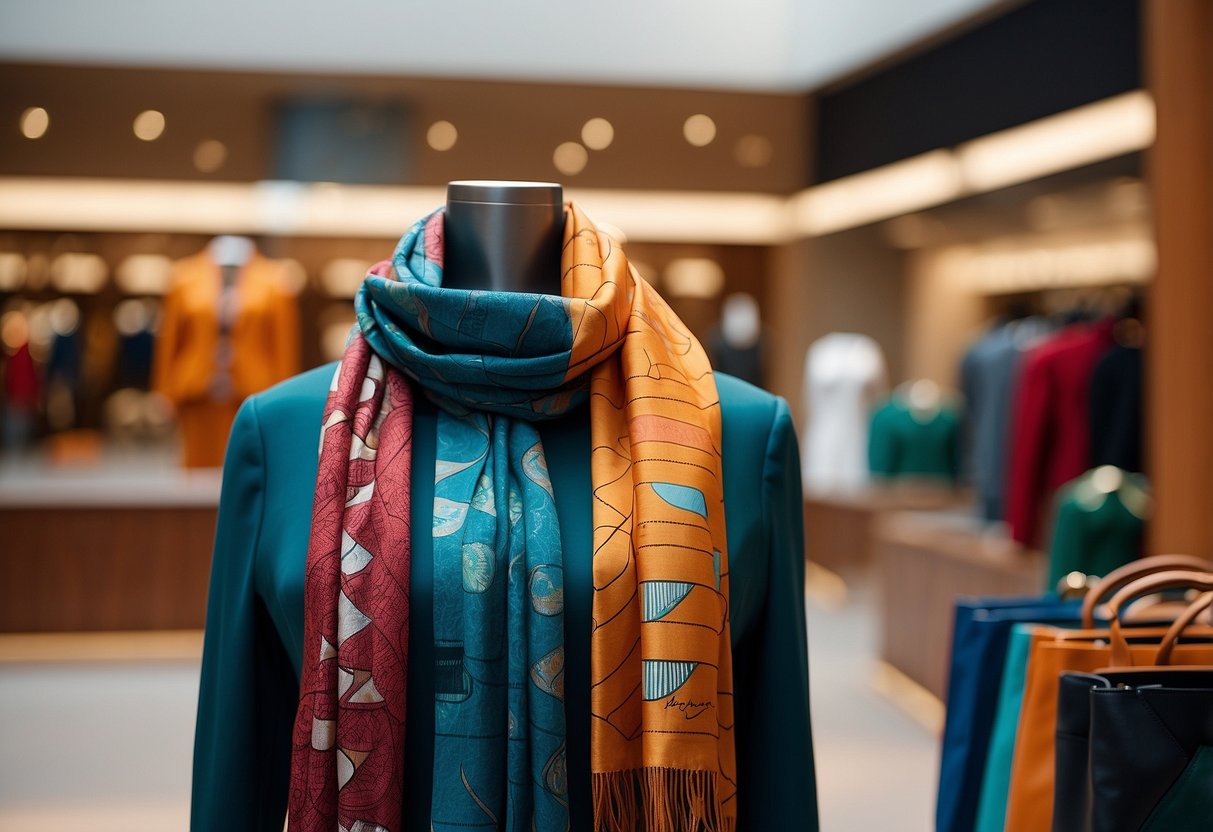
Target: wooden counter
119 548
924 561
839 528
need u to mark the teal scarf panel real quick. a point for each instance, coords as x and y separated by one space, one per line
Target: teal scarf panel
494 362
499 738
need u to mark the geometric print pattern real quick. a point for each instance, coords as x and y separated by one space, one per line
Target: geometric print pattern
499 621
661 743
348 742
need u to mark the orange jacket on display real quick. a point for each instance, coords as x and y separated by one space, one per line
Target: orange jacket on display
263 342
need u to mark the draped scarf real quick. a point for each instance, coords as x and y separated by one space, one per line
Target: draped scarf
661 754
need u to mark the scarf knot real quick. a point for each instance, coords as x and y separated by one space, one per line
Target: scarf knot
510 353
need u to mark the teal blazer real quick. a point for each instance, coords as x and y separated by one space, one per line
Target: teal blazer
254 623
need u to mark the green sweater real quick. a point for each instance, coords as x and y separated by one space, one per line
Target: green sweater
900 444
1093 533
254 633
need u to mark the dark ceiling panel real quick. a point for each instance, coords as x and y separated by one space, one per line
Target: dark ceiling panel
1035 60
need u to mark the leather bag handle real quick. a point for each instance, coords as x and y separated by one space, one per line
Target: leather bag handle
1173 579
1130 572
1167 645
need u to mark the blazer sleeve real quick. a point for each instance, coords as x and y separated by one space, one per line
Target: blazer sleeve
242 744
775 753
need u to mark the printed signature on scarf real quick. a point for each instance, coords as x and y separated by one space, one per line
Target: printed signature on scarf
689 707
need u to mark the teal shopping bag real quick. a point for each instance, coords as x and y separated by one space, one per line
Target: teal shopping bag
992 806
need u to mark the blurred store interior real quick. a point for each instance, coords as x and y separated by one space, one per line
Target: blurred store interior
842 200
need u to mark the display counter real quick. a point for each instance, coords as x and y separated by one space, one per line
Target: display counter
925 560
123 545
839 527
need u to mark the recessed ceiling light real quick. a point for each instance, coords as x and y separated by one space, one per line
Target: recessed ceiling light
210 155
342 277
34 122
753 151
597 134
699 130
441 136
12 271
149 125
570 158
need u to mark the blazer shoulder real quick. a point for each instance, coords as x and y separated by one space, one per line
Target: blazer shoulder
290 413
310 387
745 407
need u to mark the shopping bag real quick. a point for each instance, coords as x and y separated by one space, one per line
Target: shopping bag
1129 709
996 779
1151 732
1152 753
1030 797
1072 778
980 633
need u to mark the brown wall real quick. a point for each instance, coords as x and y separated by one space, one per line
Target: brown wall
943 315
506 130
847 282
1179 40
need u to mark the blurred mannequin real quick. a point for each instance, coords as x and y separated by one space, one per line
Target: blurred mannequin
844 378
229 329
1100 522
736 344
22 385
916 435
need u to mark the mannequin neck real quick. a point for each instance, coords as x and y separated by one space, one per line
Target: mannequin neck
503 236
231 251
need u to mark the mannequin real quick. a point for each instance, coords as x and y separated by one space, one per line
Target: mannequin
229 329
916 435
1100 521
231 252
251 663
735 346
844 379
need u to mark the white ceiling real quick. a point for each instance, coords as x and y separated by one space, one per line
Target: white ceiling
741 44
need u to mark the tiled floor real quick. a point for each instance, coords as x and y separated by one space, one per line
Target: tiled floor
876 766
105 746
96 745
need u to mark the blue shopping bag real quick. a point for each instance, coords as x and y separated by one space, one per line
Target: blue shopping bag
981 630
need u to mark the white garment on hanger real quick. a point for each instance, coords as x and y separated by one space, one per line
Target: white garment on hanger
844 379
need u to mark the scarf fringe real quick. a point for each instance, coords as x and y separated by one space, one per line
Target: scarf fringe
654 799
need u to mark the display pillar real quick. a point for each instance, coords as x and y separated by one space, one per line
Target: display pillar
1179 72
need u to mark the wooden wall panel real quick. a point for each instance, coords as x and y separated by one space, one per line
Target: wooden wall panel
1179 62
71 569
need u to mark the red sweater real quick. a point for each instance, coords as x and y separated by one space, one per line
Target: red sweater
1050 433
